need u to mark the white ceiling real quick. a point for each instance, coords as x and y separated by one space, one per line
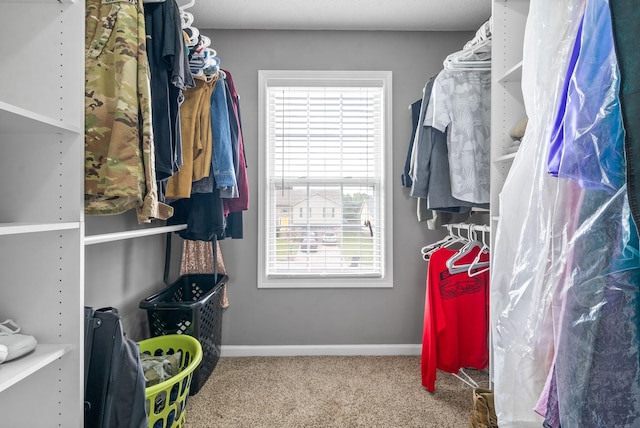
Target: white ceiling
403 15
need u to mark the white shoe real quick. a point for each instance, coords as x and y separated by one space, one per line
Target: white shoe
3 353
16 345
9 327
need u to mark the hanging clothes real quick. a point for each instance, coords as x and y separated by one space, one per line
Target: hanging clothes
432 172
456 318
241 203
202 213
595 158
203 144
529 267
567 267
170 76
460 104
418 164
212 167
200 257
405 178
197 141
557 138
222 158
233 207
606 266
119 145
448 157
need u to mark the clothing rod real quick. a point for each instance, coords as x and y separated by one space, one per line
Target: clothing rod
119 236
476 227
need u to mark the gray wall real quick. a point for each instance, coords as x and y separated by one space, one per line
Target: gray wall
332 316
122 273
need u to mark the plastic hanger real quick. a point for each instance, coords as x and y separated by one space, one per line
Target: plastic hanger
473 269
467 379
483 33
187 5
206 42
187 19
194 36
466 249
470 59
437 244
455 239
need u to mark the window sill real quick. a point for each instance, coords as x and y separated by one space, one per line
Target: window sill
324 283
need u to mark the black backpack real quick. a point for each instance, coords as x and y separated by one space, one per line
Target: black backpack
114 387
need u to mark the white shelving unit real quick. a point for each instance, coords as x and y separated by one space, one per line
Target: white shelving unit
507 106
41 215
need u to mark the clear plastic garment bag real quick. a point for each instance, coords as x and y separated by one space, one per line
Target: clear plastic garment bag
565 273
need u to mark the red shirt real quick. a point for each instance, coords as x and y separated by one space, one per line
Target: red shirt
456 318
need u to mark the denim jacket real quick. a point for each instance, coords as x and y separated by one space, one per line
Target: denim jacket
222 157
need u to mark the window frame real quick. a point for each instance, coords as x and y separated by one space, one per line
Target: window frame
268 78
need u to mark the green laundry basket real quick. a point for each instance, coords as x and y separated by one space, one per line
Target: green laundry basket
166 402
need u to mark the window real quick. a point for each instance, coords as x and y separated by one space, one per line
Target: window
325 147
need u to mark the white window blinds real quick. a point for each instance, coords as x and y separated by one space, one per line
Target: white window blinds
324 179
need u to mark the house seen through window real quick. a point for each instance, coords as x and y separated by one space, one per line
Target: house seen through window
325 156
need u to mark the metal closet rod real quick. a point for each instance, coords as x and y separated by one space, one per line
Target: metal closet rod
129 234
468 226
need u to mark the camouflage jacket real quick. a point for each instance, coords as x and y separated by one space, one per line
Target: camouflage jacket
119 149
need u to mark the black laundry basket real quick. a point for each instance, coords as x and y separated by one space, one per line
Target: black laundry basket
192 306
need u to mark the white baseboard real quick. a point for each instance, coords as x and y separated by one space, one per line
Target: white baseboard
314 350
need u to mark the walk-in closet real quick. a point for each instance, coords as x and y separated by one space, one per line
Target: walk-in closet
416 214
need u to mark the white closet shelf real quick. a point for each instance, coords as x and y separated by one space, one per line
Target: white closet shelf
14 119
514 74
20 228
14 371
129 234
505 158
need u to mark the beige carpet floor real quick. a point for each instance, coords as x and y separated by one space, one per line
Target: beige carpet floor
329 391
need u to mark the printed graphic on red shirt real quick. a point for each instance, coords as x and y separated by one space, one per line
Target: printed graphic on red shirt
454 285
